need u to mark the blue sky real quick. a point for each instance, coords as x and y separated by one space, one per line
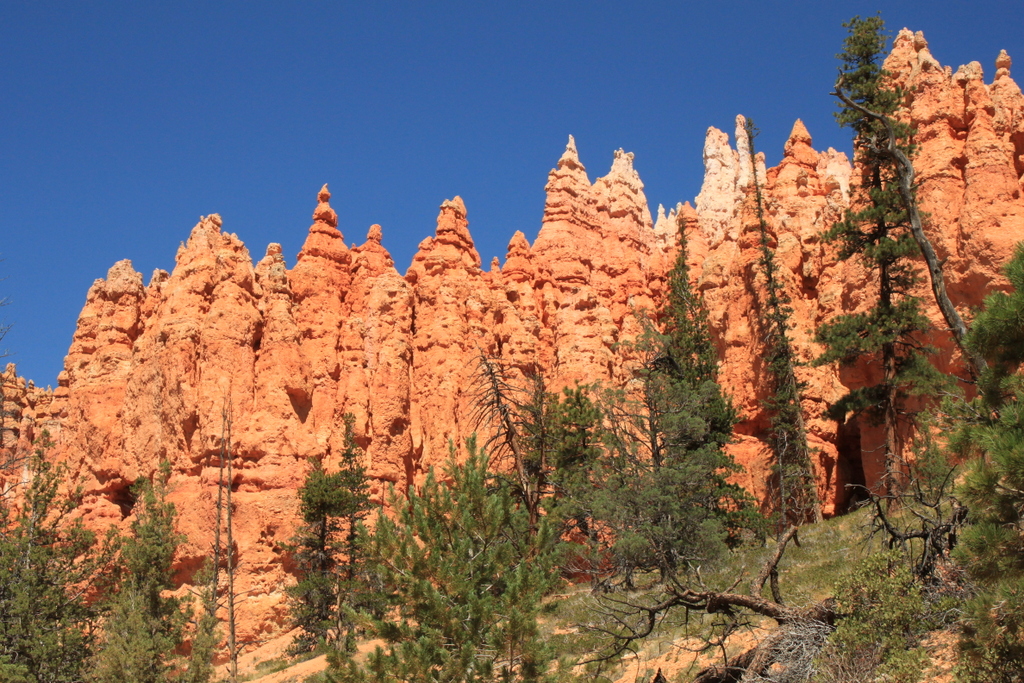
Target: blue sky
122 123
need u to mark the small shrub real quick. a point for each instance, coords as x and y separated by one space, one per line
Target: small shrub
883 613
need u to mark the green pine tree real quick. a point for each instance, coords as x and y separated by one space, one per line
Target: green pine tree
465 578
326 550
144 627
876 231
577 436
665 492
796 493
992 547
205 635
51 571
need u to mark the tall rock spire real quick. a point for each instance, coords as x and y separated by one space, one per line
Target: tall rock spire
324 239
570 158
567 183
320 283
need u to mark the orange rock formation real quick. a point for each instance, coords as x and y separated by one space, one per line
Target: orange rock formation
160 371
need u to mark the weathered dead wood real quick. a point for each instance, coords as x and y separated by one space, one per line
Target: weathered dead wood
730 672
771 567
636 621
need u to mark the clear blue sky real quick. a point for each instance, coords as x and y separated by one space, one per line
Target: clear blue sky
121 123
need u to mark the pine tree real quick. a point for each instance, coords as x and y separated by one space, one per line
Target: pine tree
50 567
144 627
465 578
876 231
205 635
666 494
797 498
577 435
332 582
992 547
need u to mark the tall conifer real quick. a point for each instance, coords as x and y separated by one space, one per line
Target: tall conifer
875 230
665 492
327 553
144 626
797 498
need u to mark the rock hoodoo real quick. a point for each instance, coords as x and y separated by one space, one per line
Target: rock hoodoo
162 370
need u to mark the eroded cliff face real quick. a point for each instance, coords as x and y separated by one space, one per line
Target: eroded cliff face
273 358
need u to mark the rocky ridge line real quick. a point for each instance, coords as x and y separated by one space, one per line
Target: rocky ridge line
153 369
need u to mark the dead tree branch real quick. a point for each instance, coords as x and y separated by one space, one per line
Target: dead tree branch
498 405
936 524
632 620
771 567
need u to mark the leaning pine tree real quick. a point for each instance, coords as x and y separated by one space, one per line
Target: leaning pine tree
875 230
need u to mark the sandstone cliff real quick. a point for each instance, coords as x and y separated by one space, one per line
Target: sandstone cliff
163 370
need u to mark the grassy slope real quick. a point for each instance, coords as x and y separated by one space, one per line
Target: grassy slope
807 574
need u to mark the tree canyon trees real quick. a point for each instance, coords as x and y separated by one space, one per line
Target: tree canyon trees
630 487
796 498
144 627
51 570
991 433
666 496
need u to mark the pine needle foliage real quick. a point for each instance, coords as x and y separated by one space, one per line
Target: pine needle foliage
796 495
688 357
689 353
205 634
144 627
326 551
465 578
875 230
998 334
664 490
577 435
49 562
882 615
992 546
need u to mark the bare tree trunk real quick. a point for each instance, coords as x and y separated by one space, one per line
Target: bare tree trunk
218 525
496 405
893 457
